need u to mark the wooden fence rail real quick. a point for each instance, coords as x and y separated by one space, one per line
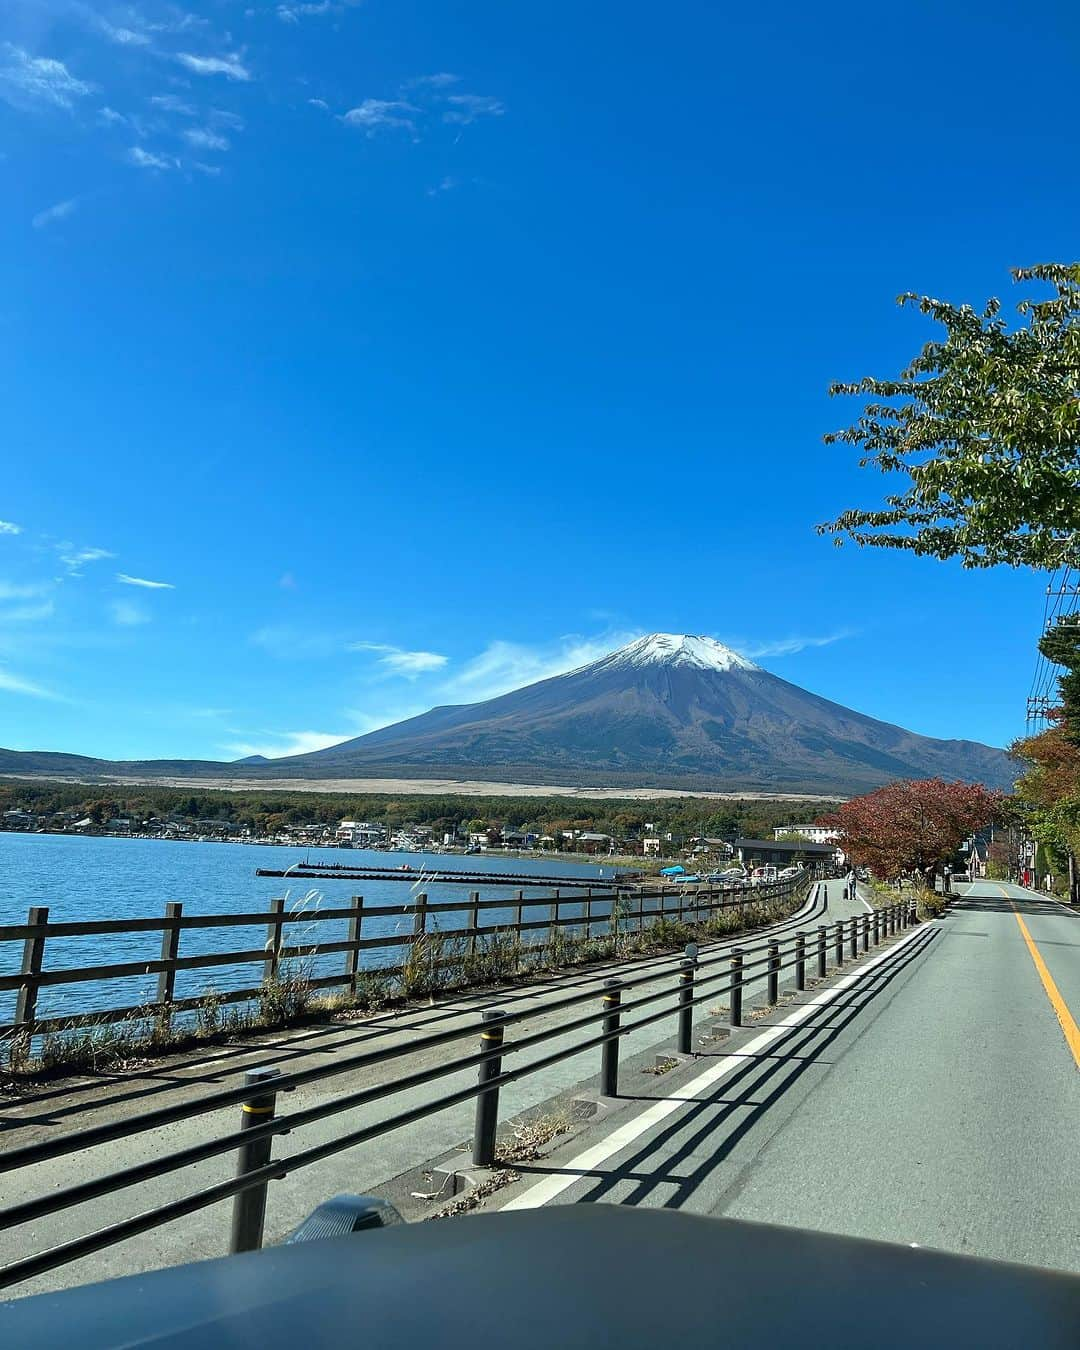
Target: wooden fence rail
624 910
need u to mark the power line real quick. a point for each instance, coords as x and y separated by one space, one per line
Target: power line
1042 696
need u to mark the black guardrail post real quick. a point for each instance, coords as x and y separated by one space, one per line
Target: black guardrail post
822 934
892 920
773 968
800 961
474 920
249 1207
735 1005
609 1051
838 942
877 926
866 932
854 937
487 1103
686 1004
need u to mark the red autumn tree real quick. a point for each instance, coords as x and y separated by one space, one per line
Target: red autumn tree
911 828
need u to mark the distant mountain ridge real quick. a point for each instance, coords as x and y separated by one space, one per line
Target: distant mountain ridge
669 710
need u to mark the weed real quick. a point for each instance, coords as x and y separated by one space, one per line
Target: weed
208 1013
284 998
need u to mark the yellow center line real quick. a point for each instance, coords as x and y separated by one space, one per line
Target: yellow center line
1060 1007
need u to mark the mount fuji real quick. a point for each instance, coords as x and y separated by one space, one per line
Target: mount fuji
671 710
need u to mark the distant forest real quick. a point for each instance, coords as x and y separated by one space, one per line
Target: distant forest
268 812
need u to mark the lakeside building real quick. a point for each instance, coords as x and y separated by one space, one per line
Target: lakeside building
360 833
782 853
814 834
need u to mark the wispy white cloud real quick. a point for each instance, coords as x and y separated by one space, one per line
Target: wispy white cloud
503 666
789 646
14 684
74 559
9 527
28 82
446 184
123 37
368 719
440 80
111 118
376 113
296 644
398 661
222 117
144 582
172 103
275 744
204 139
230 66
51 214
293 13
13 590
469 107
27 613
148 159
128 615
319 103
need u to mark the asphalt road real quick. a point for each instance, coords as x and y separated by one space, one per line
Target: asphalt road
66 1107
931 1097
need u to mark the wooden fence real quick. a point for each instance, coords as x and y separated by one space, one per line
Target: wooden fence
629 911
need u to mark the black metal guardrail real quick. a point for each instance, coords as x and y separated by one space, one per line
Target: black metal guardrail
786 946
638 909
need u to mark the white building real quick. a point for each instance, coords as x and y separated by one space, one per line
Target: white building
813 834
360 833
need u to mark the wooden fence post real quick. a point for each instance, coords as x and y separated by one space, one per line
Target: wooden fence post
588 912
519 905
352 956
274 933
553 917
33 956
474 920
170 949
641 910
419 923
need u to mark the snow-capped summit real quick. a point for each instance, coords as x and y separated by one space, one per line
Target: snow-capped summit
679 649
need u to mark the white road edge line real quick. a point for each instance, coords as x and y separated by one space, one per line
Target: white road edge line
545 1191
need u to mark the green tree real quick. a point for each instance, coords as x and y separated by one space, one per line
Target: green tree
984 427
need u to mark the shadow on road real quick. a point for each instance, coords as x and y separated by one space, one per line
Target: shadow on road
726 1116
999 904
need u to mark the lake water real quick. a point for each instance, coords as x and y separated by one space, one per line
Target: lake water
86 878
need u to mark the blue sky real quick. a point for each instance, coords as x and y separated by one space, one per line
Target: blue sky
365 356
